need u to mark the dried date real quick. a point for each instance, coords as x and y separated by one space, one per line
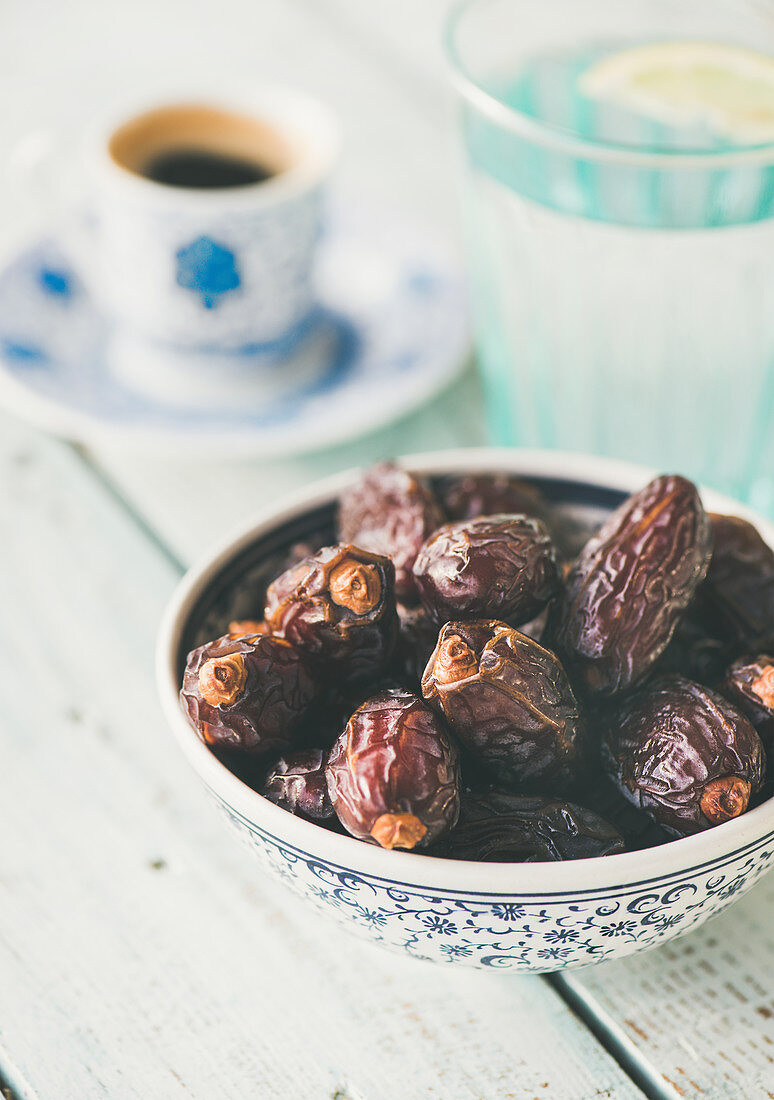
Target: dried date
390 512
393 774
339 607
500 827
696 651
500 567
749 685
249 694
509 702
739 588
631 584
476 495
684 754
297 783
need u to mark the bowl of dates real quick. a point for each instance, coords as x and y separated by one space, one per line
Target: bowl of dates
497 708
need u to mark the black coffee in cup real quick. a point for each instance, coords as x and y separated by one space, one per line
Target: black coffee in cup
200 168
200 147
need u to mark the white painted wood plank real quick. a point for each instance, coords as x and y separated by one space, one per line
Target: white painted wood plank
698 1014
140 954
192 505
406 33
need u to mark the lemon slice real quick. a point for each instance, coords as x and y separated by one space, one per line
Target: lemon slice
727 89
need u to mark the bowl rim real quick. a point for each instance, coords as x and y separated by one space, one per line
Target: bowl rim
302 839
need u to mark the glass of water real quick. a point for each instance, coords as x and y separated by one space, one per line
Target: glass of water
619 201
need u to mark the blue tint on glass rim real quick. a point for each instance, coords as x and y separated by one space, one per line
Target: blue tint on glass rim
390 317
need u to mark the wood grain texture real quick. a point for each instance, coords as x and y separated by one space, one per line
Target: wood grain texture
192 505
140 953
406 34
697 1016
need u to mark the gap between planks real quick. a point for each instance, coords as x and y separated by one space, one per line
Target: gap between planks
114 491
631 1060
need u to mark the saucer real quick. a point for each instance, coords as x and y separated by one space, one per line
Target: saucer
388 331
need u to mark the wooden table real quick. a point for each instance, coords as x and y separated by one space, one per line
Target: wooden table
140 954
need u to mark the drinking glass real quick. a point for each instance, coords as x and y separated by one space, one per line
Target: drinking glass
622 267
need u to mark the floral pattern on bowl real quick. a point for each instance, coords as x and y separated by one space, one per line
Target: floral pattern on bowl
510 932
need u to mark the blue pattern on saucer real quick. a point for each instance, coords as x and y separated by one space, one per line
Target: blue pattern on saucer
24 355
55 282
390 315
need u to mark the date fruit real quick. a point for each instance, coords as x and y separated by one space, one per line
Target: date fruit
248 693
338 606
638 828
500 827
740 583
297 783
500 567
417 638
509 702
476 495
684 755
631 583
696 651
393 774
749 685
390 512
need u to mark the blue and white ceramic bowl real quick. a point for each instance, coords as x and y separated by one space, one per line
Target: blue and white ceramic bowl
523 917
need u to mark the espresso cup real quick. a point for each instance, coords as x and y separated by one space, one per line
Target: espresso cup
204 216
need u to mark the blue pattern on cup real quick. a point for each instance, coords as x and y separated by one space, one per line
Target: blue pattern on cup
208 268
